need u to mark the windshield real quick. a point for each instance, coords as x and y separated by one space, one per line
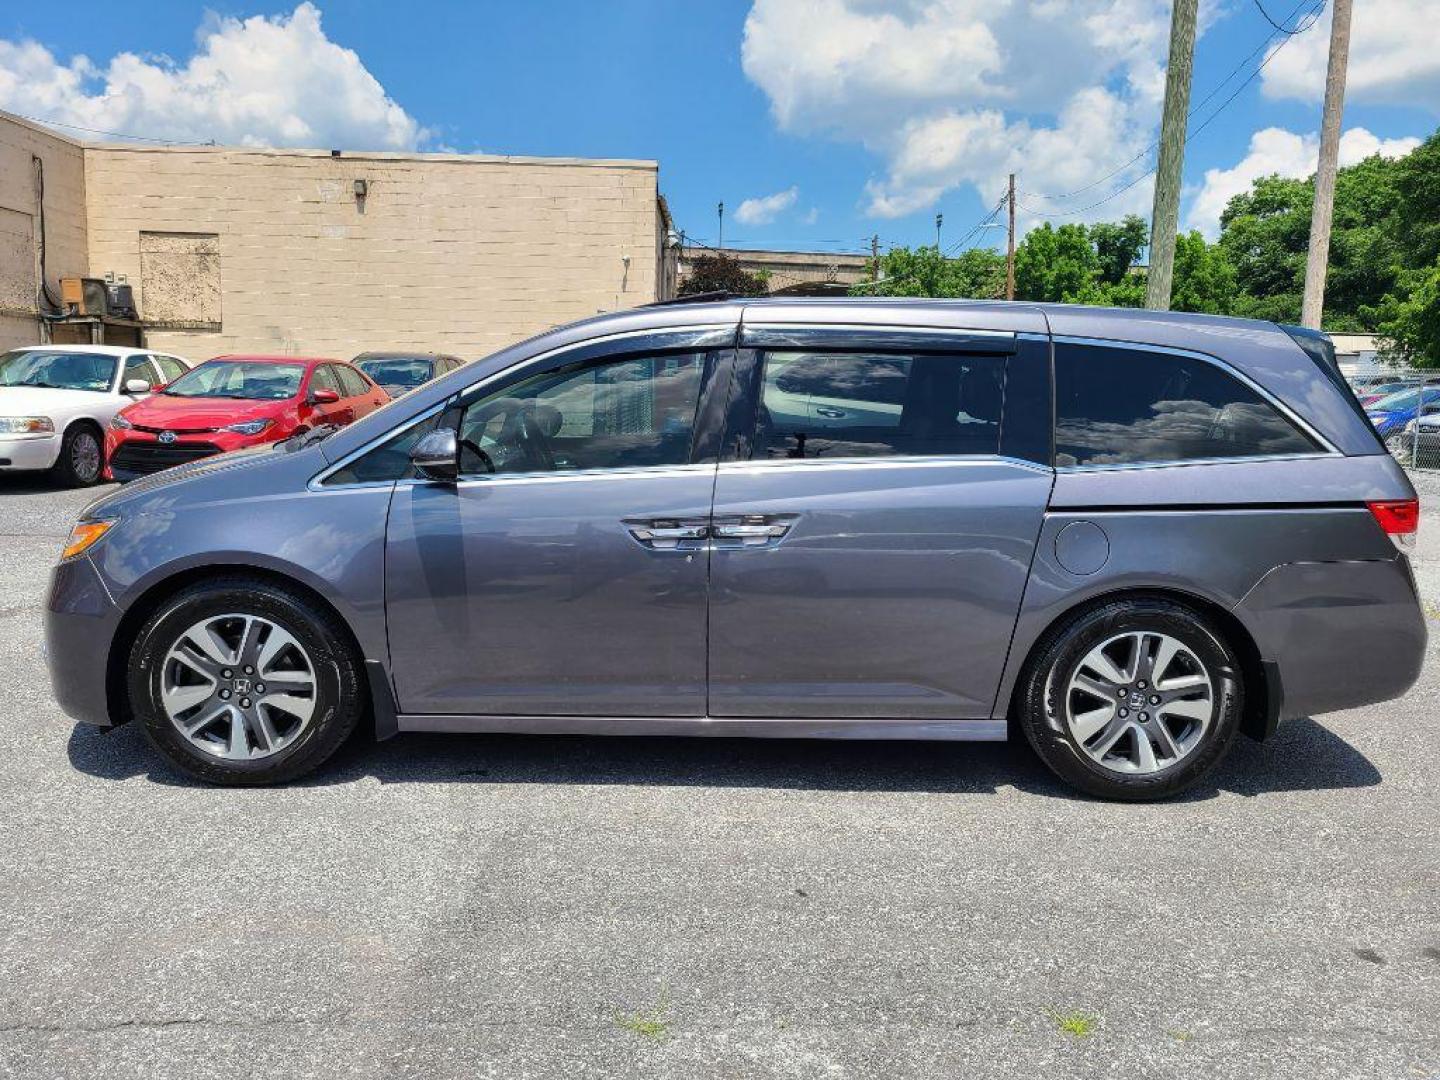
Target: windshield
60 370
396 371
1404 399
251 379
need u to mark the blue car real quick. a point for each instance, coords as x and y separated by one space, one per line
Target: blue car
1391 413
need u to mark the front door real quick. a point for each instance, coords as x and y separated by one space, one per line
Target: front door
871 542
565 573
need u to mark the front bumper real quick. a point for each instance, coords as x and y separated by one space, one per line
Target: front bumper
80 624
131 454
25 452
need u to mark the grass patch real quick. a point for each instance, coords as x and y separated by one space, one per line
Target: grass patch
1076 1024
652 1024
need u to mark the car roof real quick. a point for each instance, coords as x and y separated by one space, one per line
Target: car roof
272 358
400 354
104 350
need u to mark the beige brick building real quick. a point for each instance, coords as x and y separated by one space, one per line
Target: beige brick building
312 252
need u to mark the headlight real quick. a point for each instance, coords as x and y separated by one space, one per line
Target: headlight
119 423
84 534
248 427
26 425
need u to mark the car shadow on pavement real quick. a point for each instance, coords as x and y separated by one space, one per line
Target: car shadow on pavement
1302 756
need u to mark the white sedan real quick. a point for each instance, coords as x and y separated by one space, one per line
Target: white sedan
57 400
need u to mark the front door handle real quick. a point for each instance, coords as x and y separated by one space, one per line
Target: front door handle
666 534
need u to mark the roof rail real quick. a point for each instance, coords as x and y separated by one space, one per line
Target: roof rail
693 298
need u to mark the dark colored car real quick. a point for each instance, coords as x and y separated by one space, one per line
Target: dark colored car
233 402
1130 535
398 373
1393 412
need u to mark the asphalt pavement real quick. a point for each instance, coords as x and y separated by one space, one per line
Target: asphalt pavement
580 907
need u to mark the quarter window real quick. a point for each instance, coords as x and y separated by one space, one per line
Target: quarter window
1117 406
628 413
839 405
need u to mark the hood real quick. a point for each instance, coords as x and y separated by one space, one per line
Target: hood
189 414
34 400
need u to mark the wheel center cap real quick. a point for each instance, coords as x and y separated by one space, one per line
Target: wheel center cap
1136 699
240 686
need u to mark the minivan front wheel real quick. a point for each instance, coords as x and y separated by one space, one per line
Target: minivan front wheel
244 682
1137 699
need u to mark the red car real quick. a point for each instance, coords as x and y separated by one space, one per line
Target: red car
233 402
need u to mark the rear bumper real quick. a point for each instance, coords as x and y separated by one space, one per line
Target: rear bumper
80 624
1341 634
26 452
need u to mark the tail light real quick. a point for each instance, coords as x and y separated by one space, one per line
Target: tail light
1400 518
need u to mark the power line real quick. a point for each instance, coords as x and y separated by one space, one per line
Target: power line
1278 26
98 131
1300 28
1314 17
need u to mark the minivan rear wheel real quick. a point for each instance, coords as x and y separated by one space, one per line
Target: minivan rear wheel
1136 699
245 682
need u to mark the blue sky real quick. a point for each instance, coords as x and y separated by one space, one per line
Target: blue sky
838 119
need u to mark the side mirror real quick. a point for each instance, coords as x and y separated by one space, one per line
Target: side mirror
137 386
323 397
437 456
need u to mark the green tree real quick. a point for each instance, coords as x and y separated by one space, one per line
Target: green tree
1118 246
1204 278
1409 315
977 273
1058 265
720 273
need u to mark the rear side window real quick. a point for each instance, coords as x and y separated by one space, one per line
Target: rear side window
839 405
1118 406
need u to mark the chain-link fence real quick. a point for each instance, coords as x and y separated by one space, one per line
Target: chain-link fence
1417 446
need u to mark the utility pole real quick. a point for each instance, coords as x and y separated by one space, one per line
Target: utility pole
939 220
720 240
875 257
1165 218
1010 247
1317 261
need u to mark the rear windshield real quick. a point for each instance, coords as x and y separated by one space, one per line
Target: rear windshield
249 379
57 370
396 372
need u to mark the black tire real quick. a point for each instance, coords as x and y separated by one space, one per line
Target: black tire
1057 654
82 456
341 697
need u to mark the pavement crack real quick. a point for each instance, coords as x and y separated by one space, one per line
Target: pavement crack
144 1023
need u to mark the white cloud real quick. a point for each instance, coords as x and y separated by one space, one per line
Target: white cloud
1393 58
258 82
1277 151
956 92
766 208
811 216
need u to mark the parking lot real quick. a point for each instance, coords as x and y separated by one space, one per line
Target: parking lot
575 907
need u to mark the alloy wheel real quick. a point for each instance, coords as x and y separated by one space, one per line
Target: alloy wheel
238 687
85 456
1139 702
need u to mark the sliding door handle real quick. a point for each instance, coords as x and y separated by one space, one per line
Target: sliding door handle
753 530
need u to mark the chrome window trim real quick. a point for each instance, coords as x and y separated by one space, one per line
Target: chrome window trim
891 461
1250 459
1328 448
1003 340
700 331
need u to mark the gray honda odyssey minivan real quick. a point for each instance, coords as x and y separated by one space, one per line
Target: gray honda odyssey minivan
1129 535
